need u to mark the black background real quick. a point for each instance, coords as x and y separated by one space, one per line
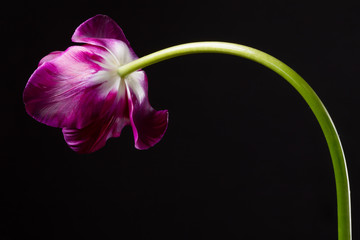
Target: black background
243 156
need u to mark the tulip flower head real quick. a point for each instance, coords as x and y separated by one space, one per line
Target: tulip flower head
80 90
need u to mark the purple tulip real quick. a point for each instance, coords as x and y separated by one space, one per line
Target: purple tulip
80 91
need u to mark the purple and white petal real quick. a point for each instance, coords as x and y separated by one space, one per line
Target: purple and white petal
69 90
102 31
148 125
99 27
111 120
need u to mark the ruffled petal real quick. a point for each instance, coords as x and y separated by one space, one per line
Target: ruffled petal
70 90
110 122
102 31
148 125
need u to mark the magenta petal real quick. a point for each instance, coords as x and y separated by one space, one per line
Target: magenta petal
109 123
97 28
68 90
148 125
101 31
50 57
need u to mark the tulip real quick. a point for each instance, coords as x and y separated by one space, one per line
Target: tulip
80 91
93 91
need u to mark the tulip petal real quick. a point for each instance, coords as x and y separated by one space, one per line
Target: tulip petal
50 57
102 31
70 90
111 120
148 125
99 27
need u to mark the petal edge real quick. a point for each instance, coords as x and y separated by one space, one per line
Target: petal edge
50 57
98 27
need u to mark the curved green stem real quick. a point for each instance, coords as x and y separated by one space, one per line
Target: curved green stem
323 117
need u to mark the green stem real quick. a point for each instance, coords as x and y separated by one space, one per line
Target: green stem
323 117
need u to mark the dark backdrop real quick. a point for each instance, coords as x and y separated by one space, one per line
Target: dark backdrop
243 156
